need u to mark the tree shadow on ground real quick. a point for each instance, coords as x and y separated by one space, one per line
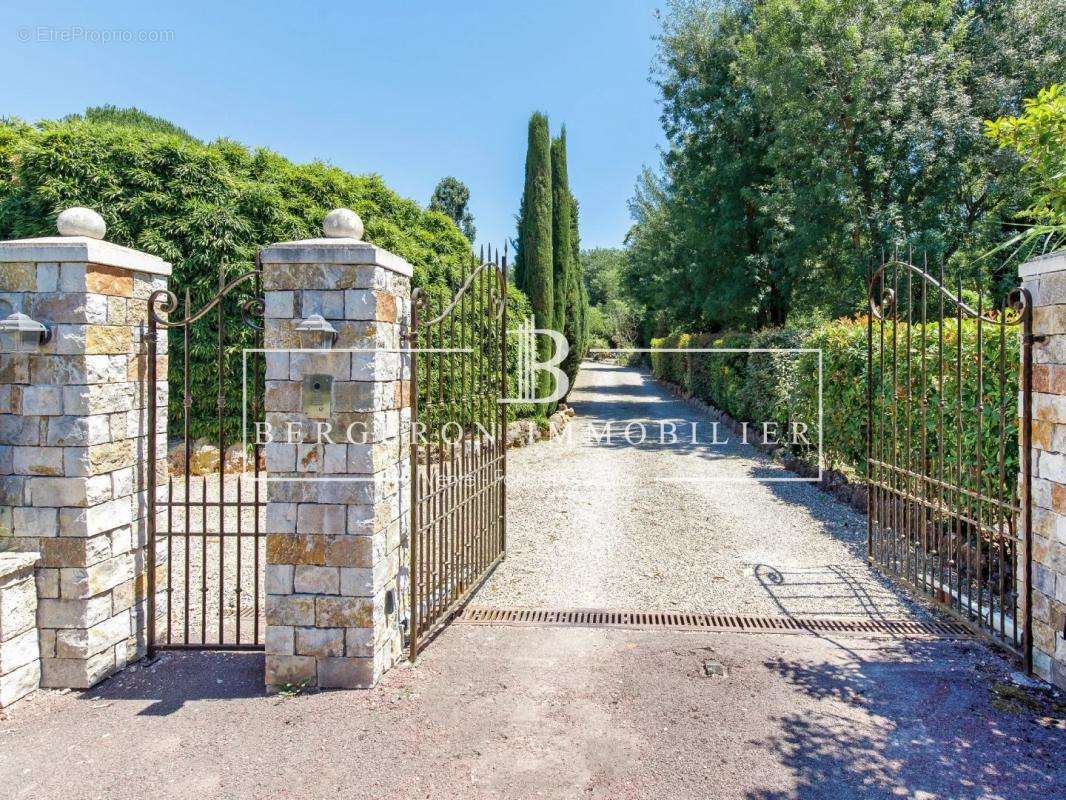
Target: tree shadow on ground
173 678
649 403
822 506
642 391
932 731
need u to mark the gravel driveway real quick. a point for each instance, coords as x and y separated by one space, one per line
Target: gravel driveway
237 566
674 526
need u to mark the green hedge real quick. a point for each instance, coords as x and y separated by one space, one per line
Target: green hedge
204 207
759 387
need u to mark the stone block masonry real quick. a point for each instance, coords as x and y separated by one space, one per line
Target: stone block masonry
73 445
1045 279
337 506
20 654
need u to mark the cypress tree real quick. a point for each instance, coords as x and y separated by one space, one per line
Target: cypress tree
518 269
534 257
584 315
574 325
562 228
579 279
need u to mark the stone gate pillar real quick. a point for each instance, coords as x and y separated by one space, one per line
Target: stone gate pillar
337 418
1045 278
73 441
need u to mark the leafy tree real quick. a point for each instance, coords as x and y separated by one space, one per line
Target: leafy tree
1038 136
451 197
653 273
603 273
806 137
613 316
533 261
597 327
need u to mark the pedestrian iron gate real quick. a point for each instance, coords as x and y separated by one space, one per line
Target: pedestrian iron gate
206 541
458 444
944 441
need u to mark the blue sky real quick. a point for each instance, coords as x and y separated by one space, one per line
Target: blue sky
411 90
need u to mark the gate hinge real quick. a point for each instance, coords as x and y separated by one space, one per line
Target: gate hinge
1035 339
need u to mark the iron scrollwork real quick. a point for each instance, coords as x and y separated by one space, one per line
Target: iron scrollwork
497 297
163 302
883 303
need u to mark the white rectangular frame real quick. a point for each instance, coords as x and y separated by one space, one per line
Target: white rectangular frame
265 478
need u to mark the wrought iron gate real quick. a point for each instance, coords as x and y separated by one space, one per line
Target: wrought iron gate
205 533
458 444
946 512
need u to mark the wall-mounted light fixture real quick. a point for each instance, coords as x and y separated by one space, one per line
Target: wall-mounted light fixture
316 333
22 334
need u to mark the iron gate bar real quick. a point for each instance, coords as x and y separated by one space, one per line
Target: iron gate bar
458 526
945 534
1027 473
160 304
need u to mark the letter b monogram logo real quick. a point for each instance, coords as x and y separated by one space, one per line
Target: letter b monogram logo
530 368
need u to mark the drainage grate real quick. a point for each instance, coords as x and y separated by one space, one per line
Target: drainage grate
678 620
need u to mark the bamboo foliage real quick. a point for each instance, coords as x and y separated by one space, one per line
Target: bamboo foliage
206 208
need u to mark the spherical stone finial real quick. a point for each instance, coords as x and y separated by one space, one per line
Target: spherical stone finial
80 221
342 223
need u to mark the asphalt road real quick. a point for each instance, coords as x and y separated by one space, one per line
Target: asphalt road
522 713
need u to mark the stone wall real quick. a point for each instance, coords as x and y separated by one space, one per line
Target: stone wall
73 446
1045 278
20 657
336 509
